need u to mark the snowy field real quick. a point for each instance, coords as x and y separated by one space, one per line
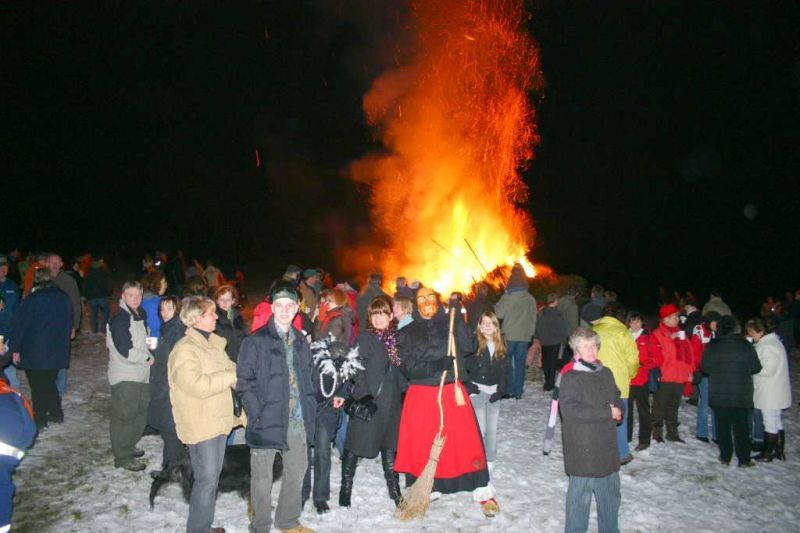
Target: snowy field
68 481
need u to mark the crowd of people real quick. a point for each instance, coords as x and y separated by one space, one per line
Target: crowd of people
324 366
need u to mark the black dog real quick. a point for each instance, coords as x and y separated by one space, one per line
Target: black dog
235 475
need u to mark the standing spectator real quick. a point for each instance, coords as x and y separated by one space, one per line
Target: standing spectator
715 303
772 388
730 362
402 309
9 300
159 411
478 305
380 384
552 332
335 317
98 291
309 287
486 381
275 382
676 371
371 291
230 324
17 431
701 334
154 285
402 288
590 408
598 296
517 310
64 281
40 335
201 377
213 276
619 354
175 273
195 286
569 308
639 392
129 375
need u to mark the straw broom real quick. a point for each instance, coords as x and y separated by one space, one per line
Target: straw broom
417 499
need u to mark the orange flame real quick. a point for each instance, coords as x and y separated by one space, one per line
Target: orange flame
457 126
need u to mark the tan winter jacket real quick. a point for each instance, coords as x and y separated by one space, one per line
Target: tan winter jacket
200 377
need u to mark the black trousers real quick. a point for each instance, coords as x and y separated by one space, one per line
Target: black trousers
550 365
666 402
640 396
733 421
46 400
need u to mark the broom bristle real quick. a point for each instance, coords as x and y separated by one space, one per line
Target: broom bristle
415 502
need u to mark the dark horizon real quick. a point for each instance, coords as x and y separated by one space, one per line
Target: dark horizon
668 151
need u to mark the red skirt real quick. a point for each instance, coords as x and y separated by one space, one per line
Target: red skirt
462 463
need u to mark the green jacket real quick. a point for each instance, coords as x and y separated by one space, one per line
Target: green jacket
517 310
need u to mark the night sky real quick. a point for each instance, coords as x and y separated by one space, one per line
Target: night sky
133 127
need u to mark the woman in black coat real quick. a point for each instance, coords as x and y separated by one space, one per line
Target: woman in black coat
230 324
379 385
730 362
159 412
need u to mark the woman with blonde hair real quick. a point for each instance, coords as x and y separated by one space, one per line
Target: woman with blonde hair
487 378
201 377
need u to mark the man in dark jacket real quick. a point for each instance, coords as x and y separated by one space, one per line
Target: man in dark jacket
590 407
274 372
552 331
371 291
98 291
730 362
40 335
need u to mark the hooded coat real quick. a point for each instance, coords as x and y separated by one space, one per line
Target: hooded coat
772 387
618 351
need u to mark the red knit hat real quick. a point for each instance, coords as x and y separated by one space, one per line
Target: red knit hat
667 310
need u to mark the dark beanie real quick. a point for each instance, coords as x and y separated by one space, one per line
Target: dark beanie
591 312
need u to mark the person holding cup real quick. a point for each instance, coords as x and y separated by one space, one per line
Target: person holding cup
676 371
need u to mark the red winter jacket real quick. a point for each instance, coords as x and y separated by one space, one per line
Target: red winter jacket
701 336
676 355
649 358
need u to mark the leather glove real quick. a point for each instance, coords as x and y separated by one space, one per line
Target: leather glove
494 397
370 405
471 388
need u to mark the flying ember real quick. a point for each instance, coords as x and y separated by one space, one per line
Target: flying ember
457 127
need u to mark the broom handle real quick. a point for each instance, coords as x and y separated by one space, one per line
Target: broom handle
439 400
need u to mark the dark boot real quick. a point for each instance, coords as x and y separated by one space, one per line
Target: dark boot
392 477
672 433
658 433
770 441
779 446
349 464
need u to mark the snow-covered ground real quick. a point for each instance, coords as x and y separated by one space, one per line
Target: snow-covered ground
68 481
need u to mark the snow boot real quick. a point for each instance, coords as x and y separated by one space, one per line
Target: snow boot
672 433
392 477
779 446
349 464
770 440
490 508
658 433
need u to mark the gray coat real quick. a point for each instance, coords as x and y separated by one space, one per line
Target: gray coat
589 432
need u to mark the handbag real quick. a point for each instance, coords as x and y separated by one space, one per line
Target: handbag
237 404
365 408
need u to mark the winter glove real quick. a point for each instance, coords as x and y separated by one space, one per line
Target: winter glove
471 388
445 363
494 397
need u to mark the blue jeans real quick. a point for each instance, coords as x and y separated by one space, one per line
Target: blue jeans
61 382
622 432
98 305
579 501
517 352
11 374
341 432
758 426
703 410
207 457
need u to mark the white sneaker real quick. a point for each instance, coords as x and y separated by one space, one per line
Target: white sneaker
435 495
